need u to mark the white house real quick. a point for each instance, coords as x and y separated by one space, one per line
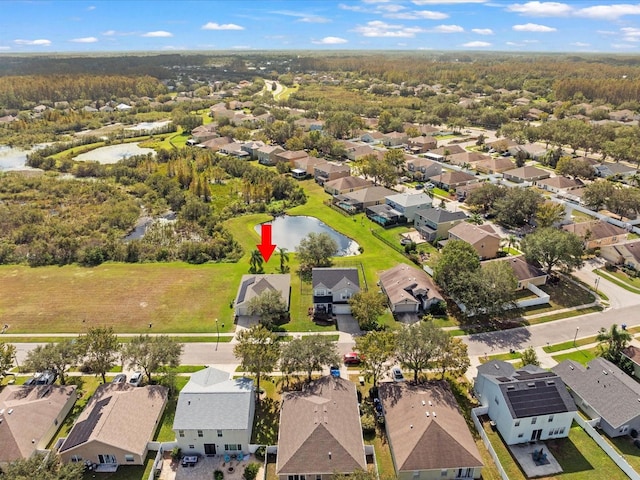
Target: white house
528 404
332 289
408 203
214 414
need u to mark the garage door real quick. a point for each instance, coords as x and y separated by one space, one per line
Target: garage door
405 308
341 309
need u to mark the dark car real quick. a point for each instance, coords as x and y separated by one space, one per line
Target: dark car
46 378
351 358
120 378
334 370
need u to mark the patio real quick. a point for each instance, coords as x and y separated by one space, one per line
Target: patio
203 470
524 455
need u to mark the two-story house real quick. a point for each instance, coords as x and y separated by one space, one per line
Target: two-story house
332 289
434 223
408 203
267 154
483 238
527 404
421 168
597 233
325 172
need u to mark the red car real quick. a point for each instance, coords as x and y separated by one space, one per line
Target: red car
352 358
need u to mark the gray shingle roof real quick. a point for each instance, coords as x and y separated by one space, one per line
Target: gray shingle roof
331 277
439 215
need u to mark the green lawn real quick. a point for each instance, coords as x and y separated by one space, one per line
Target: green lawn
621 279
126 472
164 432
558 347
626 448
267 416
580 356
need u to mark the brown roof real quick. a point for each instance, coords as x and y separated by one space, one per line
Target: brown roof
499 164
468 157
471 233
216 143
320 430
526 172
452 149
403 283
329 167
27 414
521 269
561 182
120 415
633 353
347 182
595 229
453 177
292 154
425 427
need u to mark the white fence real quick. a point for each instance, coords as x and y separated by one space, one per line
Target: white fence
543 298
160 447
608 449
475 412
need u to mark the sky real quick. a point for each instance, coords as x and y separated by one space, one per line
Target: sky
159 25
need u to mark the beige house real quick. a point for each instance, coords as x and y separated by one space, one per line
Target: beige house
494 165
254 285
468 158
525 174
308 164
116 425
346 185
627 253
421 168
434 223
482 238
267 154
320 432
449 180
422 144
289 156
359 200
559 184
428 436
408 289
395 139
30 417
325 172
597 233
525 273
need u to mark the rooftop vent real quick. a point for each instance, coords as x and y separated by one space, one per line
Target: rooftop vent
497 366
571 367
426 413
430 404
423 403
605 372
10 411
434 414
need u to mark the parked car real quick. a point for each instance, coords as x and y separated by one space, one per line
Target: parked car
120 378
396 374
430 185
419 186
351 358
334 370
46 378
136 379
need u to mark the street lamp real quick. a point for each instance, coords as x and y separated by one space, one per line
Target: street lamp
575 336
597 281
218 337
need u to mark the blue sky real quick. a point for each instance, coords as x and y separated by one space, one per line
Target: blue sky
119 25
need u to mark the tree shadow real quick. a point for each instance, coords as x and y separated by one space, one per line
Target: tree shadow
568 455
266 422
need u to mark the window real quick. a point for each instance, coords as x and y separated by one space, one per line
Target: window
345 295
232 447
318 477
517 424
551 418
76 458
191 447
561 431
520 435
416 474
200 433
128 458
444 472
534 420
219 433
181 433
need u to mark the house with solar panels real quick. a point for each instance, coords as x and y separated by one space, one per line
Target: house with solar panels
526 404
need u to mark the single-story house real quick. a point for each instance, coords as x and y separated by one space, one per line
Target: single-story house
408 203
494 165
525 174
422 144
409 289
501 145
532 150
395 139
359 200
214 414
463 191
633 354
234 149
372 137
468 158
482 238
320 432
559 184
288 156
215 143
346 185
116 425
267 154
597 233
448 150
428 436
609 169
325 172
627 253
254 285
421 168
603 391
434 223
30 416
450 180
332 289
525 273
527 404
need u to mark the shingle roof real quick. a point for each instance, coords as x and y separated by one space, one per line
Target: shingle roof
404 283
527 172
213 400
521 269
606 388
440 215
347 182
334 278
561 182
320 430
472 233
440 440
370 194
410 199
594 230
453 177
253 285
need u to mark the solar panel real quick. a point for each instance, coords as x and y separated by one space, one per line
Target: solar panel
542 399
503 379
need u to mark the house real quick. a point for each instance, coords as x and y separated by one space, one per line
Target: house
421 144
468 158
525 174
525 273
623 115
215 143
116 425
309 124
501 145
394 139
427 434
450 180
531 150
203 133
267 154
254 285
610 169
332 289
320 432
359 151
308 164
482 238
234 149
123 107
408 203
434 223
633 354
328 171
597 233
214 414
252 148
409 289
627 253
372 137
494 165
604 392
559 184
463 192
421 168
359 200
346 185
447 150
288 156
30 417
40 108
527 404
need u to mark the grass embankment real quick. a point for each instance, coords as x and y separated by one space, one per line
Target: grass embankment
621 279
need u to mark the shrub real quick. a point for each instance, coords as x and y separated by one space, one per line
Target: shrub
251 471
368 423
218 475
175 453
261 452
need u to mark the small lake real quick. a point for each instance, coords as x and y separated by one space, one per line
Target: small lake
287 232
149 126
113 153
15 158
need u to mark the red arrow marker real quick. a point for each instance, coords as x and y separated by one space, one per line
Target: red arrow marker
266 247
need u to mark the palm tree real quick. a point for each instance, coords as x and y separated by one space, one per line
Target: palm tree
476 219
510 241
284 259
613 342
255 262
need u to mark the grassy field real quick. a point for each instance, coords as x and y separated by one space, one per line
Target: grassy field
164 432
580 356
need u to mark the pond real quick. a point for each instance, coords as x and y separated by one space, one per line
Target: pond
287 231
149 126
113 153
15 158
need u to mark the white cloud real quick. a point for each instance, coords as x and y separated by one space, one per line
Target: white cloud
330 41
541 9
303 17
378 28
448 29
476 44
390 7
91 7
42 42
4 47
533 27
580 44
158 34
109 33
609 12
223 26
352 8
622 45
631 34
173 48
376 1
514 44
418 15
531 41
445 2
85 40
482 31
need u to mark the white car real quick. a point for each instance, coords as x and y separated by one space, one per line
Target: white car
136 379
396 374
